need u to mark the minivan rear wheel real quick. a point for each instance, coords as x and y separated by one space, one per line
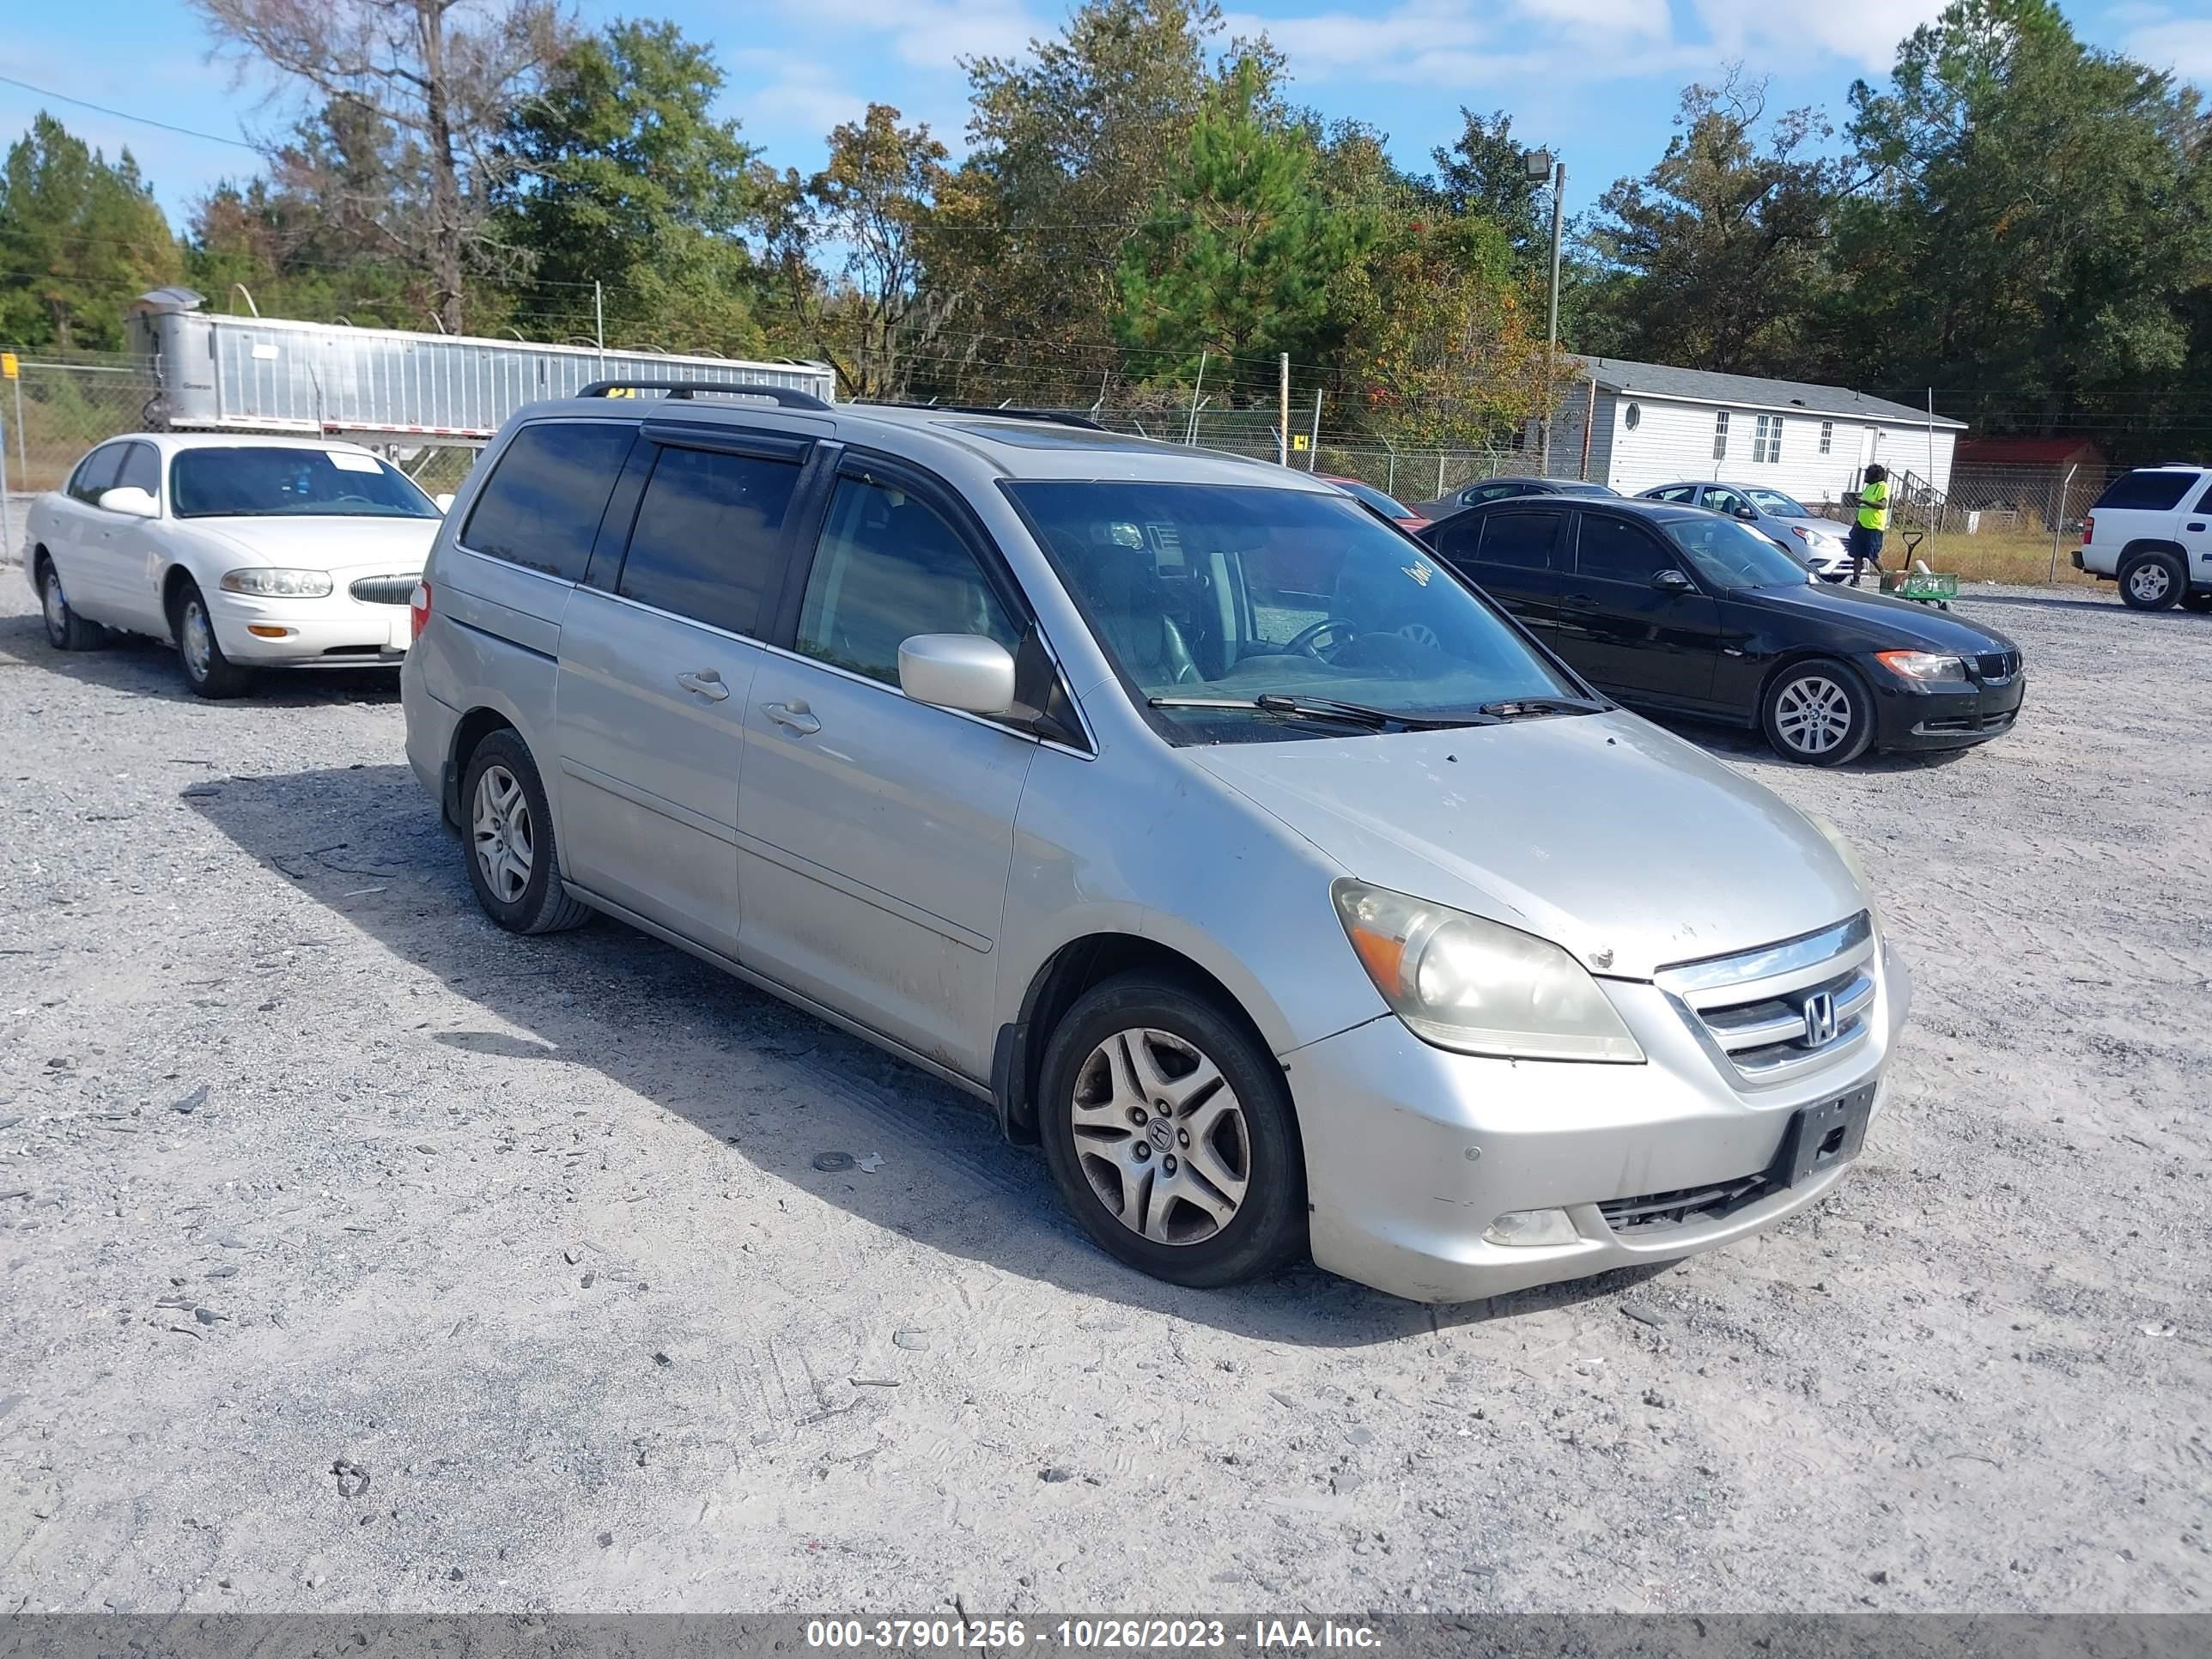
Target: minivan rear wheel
1169 1130
1817 713
507 832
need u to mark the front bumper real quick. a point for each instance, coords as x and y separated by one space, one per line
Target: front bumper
1412 1152
1913 720
337 631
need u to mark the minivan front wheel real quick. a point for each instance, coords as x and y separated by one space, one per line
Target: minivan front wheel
1817 713
513 865
1169 1130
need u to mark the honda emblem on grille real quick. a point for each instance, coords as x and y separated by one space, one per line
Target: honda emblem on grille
1820 1019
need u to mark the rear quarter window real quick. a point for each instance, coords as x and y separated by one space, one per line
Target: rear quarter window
2146 492
540 508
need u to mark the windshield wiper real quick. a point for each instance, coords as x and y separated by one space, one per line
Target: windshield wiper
1324 708
1531 708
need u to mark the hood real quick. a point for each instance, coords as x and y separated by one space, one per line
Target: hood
394 545
1627 845
1888 624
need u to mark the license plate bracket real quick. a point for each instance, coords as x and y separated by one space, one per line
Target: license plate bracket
1820 1137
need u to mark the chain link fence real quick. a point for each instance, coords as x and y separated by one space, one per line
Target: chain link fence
1988 522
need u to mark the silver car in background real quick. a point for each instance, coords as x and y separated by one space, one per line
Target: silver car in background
1816 541
1198 821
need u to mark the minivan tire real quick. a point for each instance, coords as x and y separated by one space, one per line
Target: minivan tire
1799 694
1162 1021
207 671
2152 581
65 629
507 841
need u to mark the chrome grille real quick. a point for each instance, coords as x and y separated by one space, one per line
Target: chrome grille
385 590
1996 667
1784 1009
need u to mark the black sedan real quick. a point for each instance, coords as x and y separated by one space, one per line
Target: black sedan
1683 611
1481 490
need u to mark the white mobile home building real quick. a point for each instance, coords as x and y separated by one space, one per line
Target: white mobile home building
1655 425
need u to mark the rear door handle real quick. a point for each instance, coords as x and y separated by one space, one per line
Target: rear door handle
793 714
706 683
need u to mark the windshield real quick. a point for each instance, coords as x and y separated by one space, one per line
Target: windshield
283 483
1730 554
1781 506
1376 499
1230 592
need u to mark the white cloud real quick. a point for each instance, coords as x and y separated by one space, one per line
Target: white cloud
793 93
926 33
1865 34
2183 44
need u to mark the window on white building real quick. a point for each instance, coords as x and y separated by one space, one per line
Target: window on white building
1828 436
1766 441
1720 435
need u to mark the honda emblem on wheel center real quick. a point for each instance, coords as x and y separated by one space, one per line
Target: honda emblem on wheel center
1820 1019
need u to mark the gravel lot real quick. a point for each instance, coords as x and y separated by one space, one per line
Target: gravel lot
359 1256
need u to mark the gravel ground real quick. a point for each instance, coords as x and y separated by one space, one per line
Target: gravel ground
359 1256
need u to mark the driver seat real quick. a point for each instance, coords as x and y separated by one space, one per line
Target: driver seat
1130 608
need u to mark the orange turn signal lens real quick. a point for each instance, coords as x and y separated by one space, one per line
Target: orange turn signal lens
263 632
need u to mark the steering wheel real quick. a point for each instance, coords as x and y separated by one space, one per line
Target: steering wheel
1308 642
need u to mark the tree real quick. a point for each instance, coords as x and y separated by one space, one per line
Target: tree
870 209
80 238
1484 175
1723 242
619 175
2037 223
444 77
1238 257
1066 150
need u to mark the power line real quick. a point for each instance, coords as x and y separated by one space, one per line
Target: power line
125 115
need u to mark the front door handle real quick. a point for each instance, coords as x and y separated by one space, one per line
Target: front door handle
793 714
706 683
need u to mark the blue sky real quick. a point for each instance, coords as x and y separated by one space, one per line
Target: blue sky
1597 80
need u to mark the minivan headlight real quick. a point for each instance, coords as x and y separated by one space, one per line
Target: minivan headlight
1467 984
274 584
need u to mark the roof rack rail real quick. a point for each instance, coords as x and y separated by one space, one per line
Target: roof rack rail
1057 416
788 395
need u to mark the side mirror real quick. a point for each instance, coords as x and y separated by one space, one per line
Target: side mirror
130 501
445 502
1749 515
1671 581
957 671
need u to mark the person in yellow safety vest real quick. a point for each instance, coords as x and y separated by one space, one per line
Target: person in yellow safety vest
1865 540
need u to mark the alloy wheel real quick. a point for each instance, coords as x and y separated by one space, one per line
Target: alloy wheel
196 641
1161 1136
506 846
2149 581
55 604
1812 713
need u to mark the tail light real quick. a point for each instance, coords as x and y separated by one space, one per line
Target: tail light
2088 528
418 610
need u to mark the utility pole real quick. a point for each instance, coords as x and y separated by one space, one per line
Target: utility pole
1551 334
599 323
1283 398
1190 431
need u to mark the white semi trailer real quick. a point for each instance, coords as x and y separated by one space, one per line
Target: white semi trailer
263 375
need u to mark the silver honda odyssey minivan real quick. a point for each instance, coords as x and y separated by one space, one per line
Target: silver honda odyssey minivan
1287 891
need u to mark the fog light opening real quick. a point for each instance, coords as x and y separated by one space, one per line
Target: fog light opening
1525 1228
262 631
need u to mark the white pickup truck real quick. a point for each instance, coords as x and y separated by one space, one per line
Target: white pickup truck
2151 531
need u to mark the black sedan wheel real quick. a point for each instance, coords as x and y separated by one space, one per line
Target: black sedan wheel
1818 713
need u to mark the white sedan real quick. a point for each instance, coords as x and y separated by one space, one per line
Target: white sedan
244 552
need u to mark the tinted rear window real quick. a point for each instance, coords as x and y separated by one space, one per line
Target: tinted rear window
2148 492
708 540
1520 539
541 506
